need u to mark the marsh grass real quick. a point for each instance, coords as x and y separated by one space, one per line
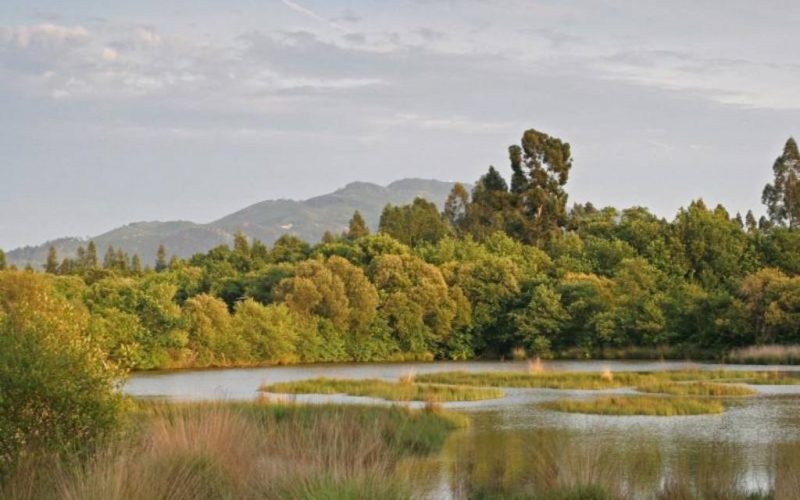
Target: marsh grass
602 380
701 388
637 405
243 451
547 380
391 391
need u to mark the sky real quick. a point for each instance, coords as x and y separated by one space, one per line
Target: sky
116 111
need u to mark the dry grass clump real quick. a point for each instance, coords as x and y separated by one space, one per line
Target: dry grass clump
696 389
392 391
637 405
535 366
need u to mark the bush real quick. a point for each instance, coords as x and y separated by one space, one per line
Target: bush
57 389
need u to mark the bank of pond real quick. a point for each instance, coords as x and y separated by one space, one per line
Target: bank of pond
416 441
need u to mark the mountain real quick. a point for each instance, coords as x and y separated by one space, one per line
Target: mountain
266 221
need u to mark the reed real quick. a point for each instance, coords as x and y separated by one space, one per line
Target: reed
243 451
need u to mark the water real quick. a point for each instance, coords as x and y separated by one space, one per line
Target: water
512 437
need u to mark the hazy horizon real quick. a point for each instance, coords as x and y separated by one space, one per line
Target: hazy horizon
117 112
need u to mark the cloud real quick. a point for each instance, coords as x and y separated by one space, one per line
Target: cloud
348 16
45 35
109 54
311 14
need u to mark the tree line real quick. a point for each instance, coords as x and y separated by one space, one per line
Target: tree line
506 267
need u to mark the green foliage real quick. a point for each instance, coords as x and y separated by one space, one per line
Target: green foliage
782 197
271 331
57 388
504 268
413 224
357 227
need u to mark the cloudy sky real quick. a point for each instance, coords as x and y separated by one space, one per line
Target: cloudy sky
113 112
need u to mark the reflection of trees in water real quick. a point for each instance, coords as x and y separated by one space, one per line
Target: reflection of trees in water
530 463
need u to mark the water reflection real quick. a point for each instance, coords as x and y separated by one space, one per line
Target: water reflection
755 448
492 463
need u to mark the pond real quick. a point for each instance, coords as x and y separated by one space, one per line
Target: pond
513 442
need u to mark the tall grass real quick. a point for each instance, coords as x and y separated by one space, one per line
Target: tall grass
401 391
766 354
637 405
243 451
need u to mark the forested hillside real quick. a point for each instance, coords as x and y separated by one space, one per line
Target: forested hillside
266 221
507 268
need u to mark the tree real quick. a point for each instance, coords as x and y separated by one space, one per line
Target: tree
540 320
541 196
455 207
773 303
57 387
211 336
51 266
2 260
161 259
327 237
750 222
240 244
782 197
90 257
357 227
491 208
136 264
413 224
271 331
289 248
714 248
414 300
110 258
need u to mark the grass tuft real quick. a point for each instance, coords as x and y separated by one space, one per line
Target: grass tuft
696 389
391 391
602 380
638 405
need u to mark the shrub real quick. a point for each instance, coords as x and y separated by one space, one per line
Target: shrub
57 389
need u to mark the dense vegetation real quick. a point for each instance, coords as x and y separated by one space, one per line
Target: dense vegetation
244 451
506 267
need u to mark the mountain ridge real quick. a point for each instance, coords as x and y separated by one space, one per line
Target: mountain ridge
265 220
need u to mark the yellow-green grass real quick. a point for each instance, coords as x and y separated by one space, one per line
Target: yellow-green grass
638 405
391 391
743 377
701 388
547 380
599 381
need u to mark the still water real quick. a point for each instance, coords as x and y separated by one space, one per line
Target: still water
513 443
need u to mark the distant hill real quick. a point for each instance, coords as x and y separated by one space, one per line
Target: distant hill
266 221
